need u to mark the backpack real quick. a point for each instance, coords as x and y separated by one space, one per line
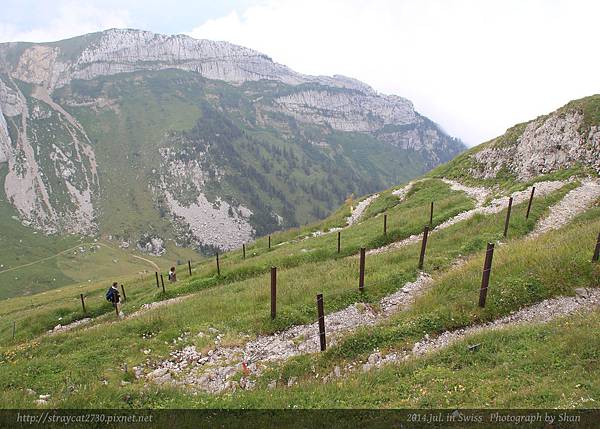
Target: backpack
109 294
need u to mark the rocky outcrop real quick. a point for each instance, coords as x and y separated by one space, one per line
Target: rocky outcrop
127 50
46 160
217 223
5 146
343 103
547 144
348 110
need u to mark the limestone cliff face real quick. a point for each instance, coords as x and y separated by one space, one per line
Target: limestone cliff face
5 147
121 51
51 175
53 180
348 110
115 51
550 143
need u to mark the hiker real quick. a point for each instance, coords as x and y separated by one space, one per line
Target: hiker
172 275
113 296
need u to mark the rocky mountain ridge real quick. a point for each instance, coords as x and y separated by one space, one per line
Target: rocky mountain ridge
54 179
123 51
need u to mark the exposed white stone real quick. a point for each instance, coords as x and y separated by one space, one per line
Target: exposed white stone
338 101
348 111
576 201
216 223
546 145
495 206
360 209
211 373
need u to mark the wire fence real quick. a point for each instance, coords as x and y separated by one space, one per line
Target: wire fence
428 229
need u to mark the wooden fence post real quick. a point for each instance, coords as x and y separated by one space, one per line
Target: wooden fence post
423 246
82 302
485 278
269 241
273 292
162 281
510 201
339 241
596 250
321 314
218 266
361 274
123 290
530 201
243 250
190 267
14 329
385 224
156 274
431 216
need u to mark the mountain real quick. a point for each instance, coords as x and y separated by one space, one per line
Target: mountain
566 140
153 141
476 316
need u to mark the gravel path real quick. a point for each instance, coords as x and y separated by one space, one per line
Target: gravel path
212 372
64 328
478 194
495 206
575 202
542 312
402 192
58 329
359 210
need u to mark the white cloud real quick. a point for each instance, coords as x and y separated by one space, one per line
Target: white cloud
475 67
68 19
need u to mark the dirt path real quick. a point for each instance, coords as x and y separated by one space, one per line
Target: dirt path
46 258
575 202
212 372
154 265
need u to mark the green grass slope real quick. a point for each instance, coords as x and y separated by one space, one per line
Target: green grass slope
89 372
270 164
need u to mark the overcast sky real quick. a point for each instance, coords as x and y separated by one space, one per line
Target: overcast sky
476 67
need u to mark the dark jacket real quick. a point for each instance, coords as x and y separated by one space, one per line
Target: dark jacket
115 295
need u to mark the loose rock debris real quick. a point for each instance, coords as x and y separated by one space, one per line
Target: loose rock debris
213 371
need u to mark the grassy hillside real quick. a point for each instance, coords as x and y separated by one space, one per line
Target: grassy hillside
32 262
247 152
270 164
288 250
236 303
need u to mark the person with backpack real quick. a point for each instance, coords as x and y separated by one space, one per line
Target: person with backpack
113 296
172 275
